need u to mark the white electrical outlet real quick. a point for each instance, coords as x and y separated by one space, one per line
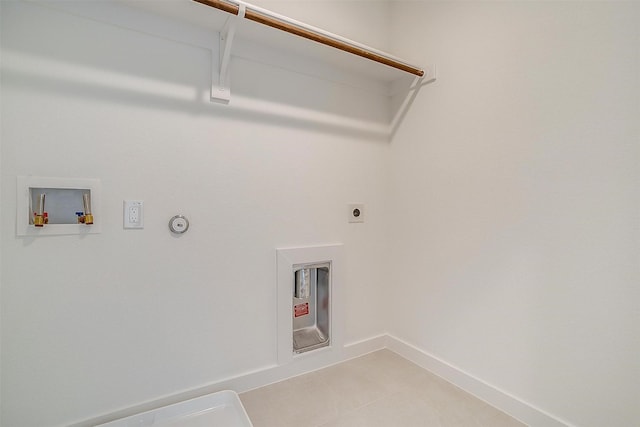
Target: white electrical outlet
133 214
356 213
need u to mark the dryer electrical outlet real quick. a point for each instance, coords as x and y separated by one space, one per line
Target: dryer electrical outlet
356 212
133 214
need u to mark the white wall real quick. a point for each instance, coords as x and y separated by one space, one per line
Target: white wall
516 212
1 233
101 322
513 193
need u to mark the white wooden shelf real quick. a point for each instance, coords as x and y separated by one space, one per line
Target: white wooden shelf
197 25
193 13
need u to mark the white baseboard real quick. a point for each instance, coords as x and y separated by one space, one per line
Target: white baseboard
504 401
517 408
249 380
362 347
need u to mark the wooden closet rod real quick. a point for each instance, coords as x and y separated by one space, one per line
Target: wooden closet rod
280 24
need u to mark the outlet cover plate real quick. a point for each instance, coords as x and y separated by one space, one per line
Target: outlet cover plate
133 214
356 212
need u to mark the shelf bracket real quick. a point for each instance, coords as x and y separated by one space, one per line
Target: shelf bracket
410 95
220 79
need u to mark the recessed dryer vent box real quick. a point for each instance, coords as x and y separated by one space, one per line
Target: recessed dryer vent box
310 304
64 204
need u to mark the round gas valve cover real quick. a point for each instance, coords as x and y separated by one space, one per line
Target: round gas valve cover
178 224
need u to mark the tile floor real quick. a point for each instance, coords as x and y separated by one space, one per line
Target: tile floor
378 389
